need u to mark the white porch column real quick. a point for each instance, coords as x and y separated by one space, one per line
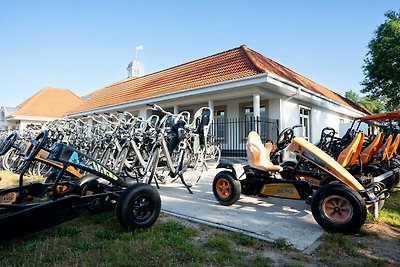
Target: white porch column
176 109
256 105
144 113
211 106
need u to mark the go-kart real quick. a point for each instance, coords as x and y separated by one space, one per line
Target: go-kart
71 179
337 207
368 159
27 208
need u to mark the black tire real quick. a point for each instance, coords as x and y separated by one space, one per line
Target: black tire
338 208
289 164
138 206
226 188
94 186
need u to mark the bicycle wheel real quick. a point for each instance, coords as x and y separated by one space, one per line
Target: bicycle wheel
151 166
193 167
212 156
107 158
95 153
132 166
10 159
120 159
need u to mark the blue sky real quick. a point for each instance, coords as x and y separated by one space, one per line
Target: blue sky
86 45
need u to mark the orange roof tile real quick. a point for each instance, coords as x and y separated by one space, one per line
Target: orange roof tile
266 64
228 65
49 102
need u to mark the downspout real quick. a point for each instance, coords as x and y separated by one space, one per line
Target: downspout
298 91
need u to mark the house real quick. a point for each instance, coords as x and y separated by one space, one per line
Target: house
46 105
241 86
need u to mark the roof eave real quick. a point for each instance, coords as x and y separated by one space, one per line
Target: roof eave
215 87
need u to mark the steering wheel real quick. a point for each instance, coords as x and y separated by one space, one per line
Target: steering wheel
36 145
8 143
284 138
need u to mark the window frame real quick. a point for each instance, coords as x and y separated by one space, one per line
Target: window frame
305 128
242 117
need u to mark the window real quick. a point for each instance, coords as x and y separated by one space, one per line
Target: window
305 121
252 124
219 130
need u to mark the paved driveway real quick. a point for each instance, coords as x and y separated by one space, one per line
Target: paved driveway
264 218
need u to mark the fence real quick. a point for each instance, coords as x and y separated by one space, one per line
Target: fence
231 134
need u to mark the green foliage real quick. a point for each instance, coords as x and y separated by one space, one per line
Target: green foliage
372 103
281 243
382 63
390 213
68 230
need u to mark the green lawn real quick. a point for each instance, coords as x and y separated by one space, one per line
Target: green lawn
99 240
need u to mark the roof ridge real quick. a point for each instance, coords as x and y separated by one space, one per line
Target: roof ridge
276 62
251 59
46 101
30 98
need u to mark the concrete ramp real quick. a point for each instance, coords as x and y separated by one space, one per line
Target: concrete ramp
264 218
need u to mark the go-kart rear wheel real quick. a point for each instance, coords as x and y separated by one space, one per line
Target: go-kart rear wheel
63 188
338 208
138 206
226 188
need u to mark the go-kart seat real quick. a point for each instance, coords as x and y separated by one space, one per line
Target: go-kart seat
349 155
258 154
379 146
393 148
383 152
370 150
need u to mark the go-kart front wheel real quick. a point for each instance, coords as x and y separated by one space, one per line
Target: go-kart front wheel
138 206
226 188
338 208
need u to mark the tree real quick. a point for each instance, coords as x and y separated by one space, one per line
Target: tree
382 63
373 104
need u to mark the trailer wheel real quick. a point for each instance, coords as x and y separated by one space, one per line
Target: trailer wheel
338 208
226 188
138 206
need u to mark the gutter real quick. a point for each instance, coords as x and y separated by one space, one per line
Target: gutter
298 91
308 91
30 118
221 86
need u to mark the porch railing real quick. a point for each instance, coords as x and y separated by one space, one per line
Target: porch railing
231 134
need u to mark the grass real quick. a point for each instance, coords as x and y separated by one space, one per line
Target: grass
99 240
9 179
390 213
336 247
86 242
